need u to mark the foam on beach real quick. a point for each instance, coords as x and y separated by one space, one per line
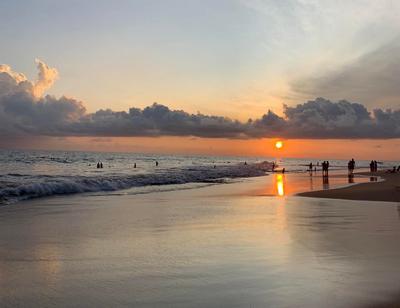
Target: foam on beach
16 187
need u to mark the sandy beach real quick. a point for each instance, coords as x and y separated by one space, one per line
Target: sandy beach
386 190
216 246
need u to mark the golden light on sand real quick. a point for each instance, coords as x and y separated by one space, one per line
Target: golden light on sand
279 144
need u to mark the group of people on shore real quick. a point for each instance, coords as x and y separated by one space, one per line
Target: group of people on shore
350 166
325 168
324 165
373 166
394 170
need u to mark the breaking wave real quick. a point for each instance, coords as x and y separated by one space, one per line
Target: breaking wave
15 187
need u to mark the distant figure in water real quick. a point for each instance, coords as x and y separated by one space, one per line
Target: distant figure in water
283 170
134 165
310 167
273 166
215 166
245 163
101 165
98 165
398 168
156 163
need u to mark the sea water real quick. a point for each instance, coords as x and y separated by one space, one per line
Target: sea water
33 174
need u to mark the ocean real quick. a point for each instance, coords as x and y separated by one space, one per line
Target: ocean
32 174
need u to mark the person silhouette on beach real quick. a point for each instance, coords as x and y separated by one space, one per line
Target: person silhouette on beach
326 168
156 163
101 165
372 166
134 165
98 165
351 166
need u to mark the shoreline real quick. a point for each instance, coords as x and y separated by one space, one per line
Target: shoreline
241 244
387 190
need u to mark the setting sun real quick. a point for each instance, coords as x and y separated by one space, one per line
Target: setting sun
279 144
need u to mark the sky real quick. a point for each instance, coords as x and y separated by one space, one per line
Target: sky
309 72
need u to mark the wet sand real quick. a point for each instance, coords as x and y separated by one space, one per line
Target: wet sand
387 190
217 246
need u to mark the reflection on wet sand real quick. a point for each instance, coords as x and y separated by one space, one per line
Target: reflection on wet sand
199 248
325 182
280 184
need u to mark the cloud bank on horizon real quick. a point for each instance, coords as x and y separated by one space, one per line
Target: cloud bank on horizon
24 111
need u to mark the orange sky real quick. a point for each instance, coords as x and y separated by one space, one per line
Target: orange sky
320 149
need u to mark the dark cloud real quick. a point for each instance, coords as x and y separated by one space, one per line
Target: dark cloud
23 113
373 79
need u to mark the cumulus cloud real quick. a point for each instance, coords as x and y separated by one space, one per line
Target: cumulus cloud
46 78
23 112
13 82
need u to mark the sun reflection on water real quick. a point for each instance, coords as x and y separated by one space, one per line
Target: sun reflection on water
280 184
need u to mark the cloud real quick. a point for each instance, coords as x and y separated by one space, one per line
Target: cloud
13 82
372 78
46 78
23 112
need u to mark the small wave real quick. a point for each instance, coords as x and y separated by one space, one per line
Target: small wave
36 187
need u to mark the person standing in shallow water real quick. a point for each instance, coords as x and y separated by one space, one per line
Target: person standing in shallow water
156 163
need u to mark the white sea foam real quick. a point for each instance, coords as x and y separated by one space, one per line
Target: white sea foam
31 186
